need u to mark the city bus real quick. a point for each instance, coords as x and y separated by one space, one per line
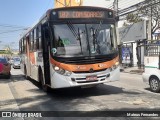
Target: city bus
71 47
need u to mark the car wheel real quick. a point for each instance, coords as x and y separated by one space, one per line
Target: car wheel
154 84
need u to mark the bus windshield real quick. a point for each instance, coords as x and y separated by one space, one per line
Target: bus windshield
74 40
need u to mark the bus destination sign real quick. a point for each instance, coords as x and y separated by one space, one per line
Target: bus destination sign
82 14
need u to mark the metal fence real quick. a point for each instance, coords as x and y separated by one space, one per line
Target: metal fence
152 48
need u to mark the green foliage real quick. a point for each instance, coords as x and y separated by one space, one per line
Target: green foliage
5 52
133 18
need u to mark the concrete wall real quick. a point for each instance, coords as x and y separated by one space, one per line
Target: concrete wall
149 59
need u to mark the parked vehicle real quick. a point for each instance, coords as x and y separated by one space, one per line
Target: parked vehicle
5 67
11 61
151 76
16 63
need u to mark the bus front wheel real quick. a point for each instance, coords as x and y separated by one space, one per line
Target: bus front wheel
42 84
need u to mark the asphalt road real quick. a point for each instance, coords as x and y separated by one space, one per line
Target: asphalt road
128 94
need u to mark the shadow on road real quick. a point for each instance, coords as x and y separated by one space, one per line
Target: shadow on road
77 92
16 78
3 80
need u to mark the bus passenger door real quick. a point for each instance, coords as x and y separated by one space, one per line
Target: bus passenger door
27 67
45 46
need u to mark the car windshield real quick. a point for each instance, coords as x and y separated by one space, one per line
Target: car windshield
3 60
16 59
71 40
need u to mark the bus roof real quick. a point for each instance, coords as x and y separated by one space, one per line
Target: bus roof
47 14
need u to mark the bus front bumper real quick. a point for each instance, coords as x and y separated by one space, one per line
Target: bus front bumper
81 79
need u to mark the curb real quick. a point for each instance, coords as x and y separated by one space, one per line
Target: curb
131 72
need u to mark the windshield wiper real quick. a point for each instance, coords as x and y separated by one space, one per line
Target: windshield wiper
79 38
98 28
95 34
73 30
76 35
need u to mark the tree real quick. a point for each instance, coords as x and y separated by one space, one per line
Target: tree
151 8
8 49
132 18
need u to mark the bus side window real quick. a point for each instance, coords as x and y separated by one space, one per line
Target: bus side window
40 37
37 38
24 45
20 46
45 38
46 33
30 41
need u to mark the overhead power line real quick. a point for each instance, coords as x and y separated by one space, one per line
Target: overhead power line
14 26
11 31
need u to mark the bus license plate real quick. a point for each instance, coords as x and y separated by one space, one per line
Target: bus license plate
91 78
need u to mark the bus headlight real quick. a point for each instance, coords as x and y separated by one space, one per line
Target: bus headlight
62 71
114 66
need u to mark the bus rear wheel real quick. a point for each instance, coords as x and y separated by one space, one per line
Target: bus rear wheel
25 73
42 84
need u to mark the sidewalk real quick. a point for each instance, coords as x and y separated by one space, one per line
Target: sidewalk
132 70
7 100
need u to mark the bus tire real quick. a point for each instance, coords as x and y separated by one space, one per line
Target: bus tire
25 73
41 81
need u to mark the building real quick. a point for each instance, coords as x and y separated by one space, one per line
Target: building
67 3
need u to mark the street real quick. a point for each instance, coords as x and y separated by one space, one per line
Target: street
130 93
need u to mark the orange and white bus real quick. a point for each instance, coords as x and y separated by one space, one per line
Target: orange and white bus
71 47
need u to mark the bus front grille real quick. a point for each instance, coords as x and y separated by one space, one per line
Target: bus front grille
84 80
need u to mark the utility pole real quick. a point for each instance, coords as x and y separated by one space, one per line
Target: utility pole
151 20
115 6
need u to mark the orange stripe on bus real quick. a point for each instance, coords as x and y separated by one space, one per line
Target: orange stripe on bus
32 57
87 67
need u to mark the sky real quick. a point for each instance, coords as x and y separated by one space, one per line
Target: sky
16 16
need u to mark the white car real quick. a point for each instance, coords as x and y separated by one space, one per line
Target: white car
151 76
16 63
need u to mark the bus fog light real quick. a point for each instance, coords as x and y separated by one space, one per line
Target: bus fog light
67 73
61 71
114 67
110 69
108 75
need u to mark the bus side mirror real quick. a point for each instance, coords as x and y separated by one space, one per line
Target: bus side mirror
117 18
